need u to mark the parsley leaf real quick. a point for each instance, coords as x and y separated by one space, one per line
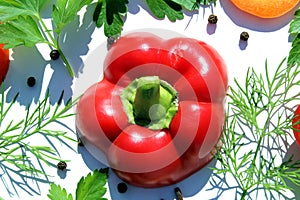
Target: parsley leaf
162 8
58 193
110 13
295 24
22 23
19 25
65 12
21 31
194 4
206 2
188 4
92 186
12 9
294 54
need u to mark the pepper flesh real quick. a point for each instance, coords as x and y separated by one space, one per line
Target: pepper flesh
138 154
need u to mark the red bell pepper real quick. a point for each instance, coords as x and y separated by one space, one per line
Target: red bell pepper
158 112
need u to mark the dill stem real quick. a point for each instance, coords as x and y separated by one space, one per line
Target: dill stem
244 194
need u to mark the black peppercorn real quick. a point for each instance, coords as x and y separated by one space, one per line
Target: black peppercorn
31 81
54 54
244 36
178 193
62 165
122 187
79 142
212 19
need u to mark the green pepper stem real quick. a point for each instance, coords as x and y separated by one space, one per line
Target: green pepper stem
147 95
150 102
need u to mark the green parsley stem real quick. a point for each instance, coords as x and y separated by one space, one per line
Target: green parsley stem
46 30
55 44
63 57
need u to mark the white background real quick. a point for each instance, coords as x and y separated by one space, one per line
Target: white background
269 41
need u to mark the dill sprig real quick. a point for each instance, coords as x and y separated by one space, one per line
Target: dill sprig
20 154
257 133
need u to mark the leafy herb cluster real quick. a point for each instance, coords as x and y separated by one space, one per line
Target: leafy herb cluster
258 122
111 13
22 23
90 187
19 155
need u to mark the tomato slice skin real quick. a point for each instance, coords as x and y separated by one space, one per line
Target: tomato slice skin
4 62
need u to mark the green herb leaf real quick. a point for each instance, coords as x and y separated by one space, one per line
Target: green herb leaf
188 4
19 23
21 31
206 2
92 186
58 193
295 24
294 54
194 4
12 9
162 8
65 12
110 13
22 23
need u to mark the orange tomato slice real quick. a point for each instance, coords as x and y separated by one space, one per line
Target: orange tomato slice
266 8
4 62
